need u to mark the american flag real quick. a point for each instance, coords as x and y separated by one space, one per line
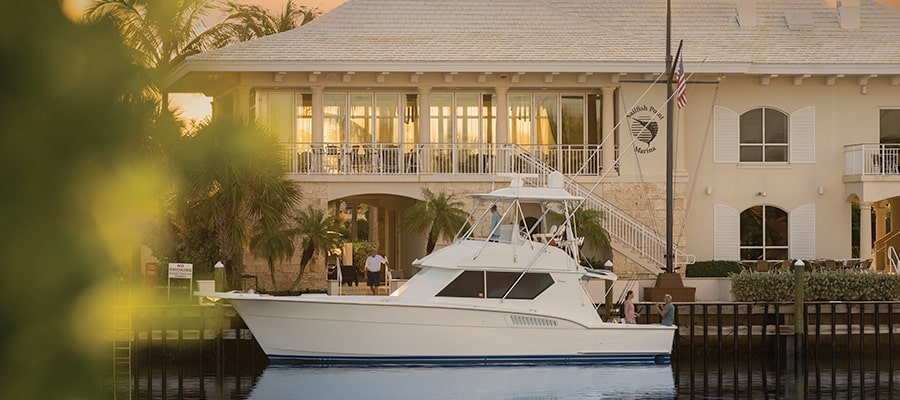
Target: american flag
680 90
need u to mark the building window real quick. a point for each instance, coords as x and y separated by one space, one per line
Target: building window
496 284
764 136
889 126
764 233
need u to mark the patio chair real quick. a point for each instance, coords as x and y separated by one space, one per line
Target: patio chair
783 266
865 264
762 266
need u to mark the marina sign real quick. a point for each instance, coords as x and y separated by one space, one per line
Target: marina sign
180 270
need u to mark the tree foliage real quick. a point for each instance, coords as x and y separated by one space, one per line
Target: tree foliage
320 232
437 216
248 21
76 186
232 186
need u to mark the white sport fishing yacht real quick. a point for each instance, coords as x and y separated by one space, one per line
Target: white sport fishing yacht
519 298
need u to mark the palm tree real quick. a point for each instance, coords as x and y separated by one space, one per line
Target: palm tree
233 184
441 216
245 21
163 33
587 223
321 233
160 33
274 246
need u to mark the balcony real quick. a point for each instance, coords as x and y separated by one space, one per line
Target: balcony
456 159
871 160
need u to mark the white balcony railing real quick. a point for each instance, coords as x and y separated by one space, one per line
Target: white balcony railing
413 159
872 159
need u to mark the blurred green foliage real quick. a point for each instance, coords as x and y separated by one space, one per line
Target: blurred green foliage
71 122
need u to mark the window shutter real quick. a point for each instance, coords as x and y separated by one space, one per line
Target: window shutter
727 129
803 135
727 233
802 235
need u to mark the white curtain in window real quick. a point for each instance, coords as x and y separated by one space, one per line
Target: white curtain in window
726 136
727 233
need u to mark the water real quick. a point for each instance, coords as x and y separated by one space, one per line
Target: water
448 383
730 379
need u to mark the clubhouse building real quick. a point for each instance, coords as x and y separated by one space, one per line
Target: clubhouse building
788 145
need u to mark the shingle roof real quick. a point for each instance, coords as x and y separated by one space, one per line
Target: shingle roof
372 34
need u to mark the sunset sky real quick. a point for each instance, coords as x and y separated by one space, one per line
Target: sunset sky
323 5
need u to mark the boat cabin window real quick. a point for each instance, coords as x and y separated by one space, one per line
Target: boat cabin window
496 284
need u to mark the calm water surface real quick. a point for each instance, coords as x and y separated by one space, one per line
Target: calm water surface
710 381
506 382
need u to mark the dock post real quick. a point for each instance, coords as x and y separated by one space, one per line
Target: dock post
219 276
799 327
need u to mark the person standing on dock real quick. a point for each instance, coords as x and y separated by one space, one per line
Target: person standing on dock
666 311
630 316
373 267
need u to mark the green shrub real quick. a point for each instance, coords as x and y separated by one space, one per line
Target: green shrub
712 269
762 287
818 286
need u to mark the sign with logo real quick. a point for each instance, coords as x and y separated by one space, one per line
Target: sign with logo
180 270
644 122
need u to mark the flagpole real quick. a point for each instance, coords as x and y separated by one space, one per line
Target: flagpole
670 164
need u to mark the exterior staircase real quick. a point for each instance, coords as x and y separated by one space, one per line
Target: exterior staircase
630 237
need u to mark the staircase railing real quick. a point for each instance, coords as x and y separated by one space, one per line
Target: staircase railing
622 227
893 260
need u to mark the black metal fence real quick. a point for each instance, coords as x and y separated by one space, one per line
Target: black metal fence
823 347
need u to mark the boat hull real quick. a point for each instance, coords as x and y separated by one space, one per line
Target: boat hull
372 330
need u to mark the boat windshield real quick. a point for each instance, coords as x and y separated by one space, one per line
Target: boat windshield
495 284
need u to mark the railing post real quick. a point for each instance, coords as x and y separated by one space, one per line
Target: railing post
799 323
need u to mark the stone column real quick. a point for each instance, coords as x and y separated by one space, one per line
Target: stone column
501 158
895 215
865 230
374 227
318 114
242 103
424 139
608 116
880 213
502 114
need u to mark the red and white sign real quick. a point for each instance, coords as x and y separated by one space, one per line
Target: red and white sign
180 270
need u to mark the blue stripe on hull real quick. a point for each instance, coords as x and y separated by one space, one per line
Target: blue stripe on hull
662 359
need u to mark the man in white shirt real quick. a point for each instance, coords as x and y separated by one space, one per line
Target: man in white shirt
373 266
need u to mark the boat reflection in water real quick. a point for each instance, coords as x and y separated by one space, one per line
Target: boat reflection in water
469 382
